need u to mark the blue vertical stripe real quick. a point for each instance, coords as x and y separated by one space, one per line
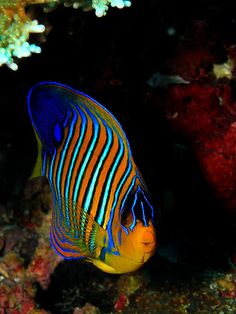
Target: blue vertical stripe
127 193
109 224
75 153
144 217
51 166
85 162
108 185
132 210
62 159
152 209
96 172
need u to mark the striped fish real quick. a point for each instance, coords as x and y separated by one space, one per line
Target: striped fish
101 208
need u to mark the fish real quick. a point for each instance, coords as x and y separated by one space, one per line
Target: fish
102 211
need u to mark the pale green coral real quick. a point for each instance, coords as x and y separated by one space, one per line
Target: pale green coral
101 6
14 40
16 26
15 29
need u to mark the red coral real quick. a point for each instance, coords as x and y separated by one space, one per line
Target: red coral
206 115
43 264
195 53
16 291
121 302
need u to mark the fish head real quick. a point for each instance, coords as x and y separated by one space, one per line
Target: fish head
134 248
132 238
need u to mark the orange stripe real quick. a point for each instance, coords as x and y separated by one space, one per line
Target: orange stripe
103 174
59 149
93 160
68 155
82 151
121 195
56 239
64 253
102 113
118 175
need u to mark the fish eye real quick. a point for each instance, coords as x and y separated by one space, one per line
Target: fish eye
57 132
58 128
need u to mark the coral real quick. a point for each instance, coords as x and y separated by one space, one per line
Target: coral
227 286
17 290
27 257
87 309
203 111
43 264
101 6
206 116
15 29
16 26
213 293
129 284
121 303
223 70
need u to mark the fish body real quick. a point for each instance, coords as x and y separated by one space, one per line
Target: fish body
101 207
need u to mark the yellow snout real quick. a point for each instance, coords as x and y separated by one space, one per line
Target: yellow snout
135 249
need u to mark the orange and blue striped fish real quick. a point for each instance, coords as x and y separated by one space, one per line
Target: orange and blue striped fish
101 208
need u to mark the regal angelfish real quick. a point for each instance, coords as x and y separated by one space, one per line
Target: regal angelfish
101 208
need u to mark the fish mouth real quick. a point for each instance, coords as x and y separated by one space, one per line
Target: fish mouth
143 259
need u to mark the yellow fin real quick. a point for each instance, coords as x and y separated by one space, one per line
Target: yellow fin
104 267
37 171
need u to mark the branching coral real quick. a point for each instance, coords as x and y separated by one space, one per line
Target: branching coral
101 6
16 26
